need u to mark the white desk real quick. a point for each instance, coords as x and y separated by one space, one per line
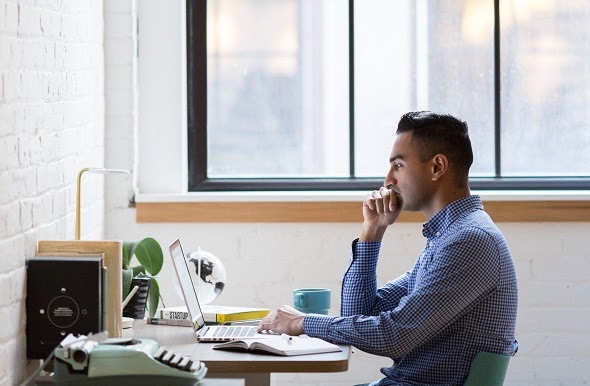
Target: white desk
254 368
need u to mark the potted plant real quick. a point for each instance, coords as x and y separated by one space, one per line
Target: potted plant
148 254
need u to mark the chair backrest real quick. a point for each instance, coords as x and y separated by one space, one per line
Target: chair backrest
487 370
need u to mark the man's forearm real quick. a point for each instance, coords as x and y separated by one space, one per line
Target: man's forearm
372 233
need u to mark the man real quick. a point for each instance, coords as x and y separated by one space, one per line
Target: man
460 298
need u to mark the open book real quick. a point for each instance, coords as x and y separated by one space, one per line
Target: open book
282 345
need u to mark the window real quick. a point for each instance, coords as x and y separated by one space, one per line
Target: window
306 94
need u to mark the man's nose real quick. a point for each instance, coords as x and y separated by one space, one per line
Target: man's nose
389 181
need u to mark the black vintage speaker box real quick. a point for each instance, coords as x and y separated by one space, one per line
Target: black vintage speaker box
64 295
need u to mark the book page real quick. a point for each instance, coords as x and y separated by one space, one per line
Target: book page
283 346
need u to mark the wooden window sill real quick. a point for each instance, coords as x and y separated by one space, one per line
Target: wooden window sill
343 212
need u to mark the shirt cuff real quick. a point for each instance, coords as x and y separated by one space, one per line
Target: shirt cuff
318 326
366 253
365 247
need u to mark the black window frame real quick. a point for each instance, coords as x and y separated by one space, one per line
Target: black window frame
196 17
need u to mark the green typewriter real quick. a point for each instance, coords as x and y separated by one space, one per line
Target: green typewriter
84 361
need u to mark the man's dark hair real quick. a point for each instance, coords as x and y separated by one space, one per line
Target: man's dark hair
439 134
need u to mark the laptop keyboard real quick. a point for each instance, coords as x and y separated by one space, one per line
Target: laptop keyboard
235 332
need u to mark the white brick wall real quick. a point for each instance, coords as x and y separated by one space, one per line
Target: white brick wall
51 125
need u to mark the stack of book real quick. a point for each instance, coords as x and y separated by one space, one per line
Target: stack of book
178 316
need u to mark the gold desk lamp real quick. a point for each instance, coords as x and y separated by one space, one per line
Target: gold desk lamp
111 250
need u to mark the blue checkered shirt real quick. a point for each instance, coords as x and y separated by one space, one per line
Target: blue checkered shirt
460 298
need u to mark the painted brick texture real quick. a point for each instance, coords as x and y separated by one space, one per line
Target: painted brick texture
51 125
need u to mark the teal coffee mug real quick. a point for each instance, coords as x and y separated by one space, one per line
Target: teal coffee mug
312 300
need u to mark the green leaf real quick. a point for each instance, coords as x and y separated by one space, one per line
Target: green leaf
129 249
126 257
138 271
151 259
127 276
153 297
149 254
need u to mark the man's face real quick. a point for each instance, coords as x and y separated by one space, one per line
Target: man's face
408 176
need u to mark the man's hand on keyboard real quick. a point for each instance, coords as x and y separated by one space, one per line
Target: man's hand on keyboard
285 320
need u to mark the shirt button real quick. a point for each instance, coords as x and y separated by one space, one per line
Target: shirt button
431 244
437 234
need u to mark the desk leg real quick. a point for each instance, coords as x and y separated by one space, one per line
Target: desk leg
252 379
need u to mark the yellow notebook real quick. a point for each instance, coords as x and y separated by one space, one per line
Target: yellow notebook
224 314
215 314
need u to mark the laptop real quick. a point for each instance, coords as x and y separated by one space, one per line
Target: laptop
204 332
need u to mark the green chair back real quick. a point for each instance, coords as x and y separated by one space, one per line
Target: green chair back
487 370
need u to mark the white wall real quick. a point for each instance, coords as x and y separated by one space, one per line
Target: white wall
120 94
51 125
266 261
163 96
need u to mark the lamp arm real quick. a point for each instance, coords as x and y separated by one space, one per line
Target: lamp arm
78 187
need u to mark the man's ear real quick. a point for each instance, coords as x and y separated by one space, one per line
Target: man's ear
439 166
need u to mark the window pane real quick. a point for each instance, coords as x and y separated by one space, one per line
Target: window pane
545 81
277 93
422 55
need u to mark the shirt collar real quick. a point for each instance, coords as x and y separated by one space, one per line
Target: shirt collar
449 214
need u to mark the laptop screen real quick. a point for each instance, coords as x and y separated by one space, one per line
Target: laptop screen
186 284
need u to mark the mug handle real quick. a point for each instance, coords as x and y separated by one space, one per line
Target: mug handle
299 300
